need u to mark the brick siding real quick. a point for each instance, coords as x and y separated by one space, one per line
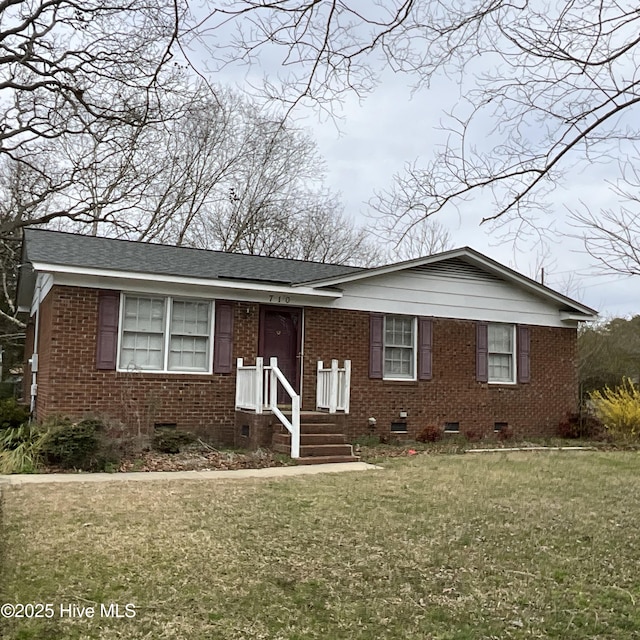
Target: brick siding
453 394
69 383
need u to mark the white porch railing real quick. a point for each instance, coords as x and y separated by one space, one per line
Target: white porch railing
257 390
334 383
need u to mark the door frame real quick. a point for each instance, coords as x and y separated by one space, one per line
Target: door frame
264 309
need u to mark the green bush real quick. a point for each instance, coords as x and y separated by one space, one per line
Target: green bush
73 445
20 449
169 440
619 409
12 414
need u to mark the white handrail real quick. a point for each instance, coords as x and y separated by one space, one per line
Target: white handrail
257 390
333 386
292 425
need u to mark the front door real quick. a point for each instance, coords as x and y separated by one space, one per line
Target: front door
280 337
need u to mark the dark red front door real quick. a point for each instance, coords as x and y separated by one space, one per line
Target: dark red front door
280 337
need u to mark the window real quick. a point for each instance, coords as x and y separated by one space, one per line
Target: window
501 352
165 334
399 347
452 427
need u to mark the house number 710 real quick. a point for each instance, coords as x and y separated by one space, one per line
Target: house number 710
285 299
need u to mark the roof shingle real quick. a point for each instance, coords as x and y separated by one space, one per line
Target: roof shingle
56 247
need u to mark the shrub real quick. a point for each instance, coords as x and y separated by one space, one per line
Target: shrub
619 409
430 433
20 449
73 445
12 414
580 425
169 440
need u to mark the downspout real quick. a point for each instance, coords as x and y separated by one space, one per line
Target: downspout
33 360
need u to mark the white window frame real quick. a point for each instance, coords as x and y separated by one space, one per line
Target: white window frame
414 348
168 311
514 359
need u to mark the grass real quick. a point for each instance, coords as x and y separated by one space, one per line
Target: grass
373 451
518 545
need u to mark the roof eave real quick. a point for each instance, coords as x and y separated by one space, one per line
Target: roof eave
569 316
218 283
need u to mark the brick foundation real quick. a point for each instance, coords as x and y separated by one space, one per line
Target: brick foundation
254 431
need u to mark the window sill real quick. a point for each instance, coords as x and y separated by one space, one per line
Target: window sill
164 373
400 382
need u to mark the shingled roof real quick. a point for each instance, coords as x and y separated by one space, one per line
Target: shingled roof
68 249
46 249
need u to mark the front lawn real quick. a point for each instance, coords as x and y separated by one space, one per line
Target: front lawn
517 545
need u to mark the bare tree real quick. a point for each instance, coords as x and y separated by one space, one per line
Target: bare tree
550 86
327 235
273 200
612 236
94 70
221 176
424 238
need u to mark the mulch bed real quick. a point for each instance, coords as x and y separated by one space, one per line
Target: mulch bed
195 459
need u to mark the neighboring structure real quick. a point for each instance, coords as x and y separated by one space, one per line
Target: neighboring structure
151 334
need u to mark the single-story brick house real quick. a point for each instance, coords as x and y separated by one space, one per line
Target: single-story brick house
153 334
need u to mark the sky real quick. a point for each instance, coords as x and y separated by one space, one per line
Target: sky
375 137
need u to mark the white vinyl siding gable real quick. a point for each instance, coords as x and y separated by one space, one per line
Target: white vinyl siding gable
449 294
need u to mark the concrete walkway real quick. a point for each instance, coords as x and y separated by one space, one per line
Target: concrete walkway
269 472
